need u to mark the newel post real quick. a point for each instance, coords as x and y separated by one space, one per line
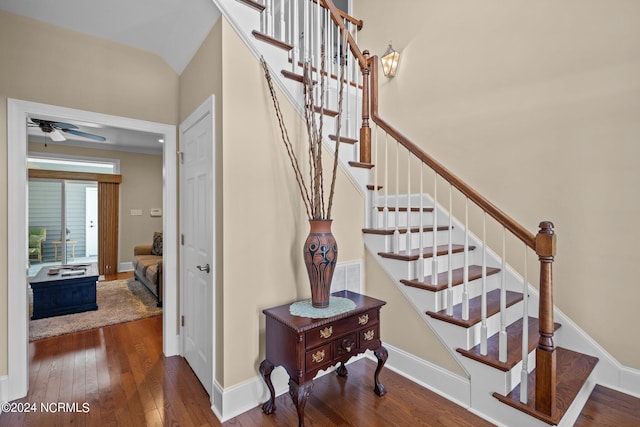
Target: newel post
546 351
365 130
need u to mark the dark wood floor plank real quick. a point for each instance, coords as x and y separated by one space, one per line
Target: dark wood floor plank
128 382
609 408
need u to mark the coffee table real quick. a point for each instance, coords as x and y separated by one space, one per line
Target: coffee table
71 290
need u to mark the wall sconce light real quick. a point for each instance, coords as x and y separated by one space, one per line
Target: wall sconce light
390 61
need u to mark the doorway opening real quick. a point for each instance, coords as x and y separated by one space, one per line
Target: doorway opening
18 113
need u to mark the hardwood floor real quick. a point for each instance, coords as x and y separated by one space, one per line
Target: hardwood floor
610 408
120 373
117 376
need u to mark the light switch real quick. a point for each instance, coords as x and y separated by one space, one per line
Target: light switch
136 212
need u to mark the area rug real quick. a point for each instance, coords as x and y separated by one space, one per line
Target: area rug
118 301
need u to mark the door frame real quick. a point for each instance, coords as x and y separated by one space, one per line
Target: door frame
17 259
207 107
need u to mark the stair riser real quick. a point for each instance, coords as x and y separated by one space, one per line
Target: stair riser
407 269
474 289
403 220
466 338
495 379
414 242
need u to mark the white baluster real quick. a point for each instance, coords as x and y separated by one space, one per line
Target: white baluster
318 39
524 374
450 257
465 273
408 237
385 211
269 12
295 37
420 261
396 232
434 257
502 351
483 327
283 25
349 58
306 31
374 205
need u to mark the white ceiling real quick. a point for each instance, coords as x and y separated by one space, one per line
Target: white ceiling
118 139
172 29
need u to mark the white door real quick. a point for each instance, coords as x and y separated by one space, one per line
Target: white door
91 222
197 248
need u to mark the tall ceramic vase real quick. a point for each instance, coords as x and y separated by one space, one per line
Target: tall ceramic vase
320 256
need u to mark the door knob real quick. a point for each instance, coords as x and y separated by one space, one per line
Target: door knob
204 268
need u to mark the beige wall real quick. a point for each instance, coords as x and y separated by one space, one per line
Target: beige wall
47 64
141 188
536 105
200 79
264 222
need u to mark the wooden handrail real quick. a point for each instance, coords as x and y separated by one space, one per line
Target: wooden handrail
335 16
509 223
359 22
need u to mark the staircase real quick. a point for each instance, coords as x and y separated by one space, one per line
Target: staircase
429 232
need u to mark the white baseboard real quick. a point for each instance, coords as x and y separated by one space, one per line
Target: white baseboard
4 388
629 381
233 401
125 266
441 381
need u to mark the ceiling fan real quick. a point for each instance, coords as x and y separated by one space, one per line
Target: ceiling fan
56 129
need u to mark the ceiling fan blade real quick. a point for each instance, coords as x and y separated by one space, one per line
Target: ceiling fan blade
63 125
85 135
56 135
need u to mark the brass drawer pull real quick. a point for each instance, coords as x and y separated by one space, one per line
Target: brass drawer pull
368 336
318 356
363 320
326 332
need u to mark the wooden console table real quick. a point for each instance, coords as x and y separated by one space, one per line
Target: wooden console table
304 346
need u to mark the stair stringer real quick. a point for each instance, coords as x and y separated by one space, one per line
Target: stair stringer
244 20
484 380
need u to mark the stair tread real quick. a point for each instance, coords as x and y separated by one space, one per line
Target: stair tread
371 187
514 345
268 39
331 76
404 209
343 139
257 6
457 278
361 165
293 76
414 254
475 308
572 371
326 111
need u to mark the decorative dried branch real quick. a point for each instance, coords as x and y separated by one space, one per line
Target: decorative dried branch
343 60
312 193
287 142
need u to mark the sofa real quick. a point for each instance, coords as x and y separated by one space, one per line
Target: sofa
147 266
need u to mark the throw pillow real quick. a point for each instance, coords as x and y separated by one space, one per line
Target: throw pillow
156 247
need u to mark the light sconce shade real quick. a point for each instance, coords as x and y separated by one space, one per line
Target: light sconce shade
390 61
